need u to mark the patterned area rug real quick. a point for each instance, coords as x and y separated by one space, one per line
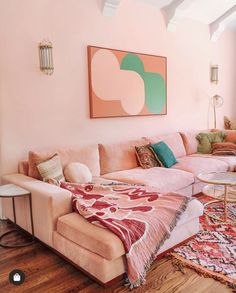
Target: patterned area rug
212 252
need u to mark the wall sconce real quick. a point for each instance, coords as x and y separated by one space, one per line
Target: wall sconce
45 57
214 74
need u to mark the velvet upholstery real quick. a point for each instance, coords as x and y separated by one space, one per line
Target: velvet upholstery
51 199
96 239
190 141
119 156
198 164
86 155
96 265
165 180
105 269
23 167
230 160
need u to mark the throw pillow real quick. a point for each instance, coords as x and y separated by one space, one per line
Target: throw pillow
164 154
51 169
224 149
146 157
229 124
77 173
205 141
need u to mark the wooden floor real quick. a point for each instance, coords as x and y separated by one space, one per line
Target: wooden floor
46 272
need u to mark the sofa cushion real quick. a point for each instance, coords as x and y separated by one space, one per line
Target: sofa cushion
198 164
23 167
230 160
165 180
94 238
119 156
230 136
87 155
102 241
174 142
190 141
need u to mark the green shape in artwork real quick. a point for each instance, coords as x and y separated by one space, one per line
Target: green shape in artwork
155 89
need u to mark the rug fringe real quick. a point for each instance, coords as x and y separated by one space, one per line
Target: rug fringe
180 263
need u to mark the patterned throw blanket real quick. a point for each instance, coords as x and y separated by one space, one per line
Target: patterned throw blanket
140 216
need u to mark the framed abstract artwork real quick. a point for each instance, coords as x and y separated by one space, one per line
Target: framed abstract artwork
126 83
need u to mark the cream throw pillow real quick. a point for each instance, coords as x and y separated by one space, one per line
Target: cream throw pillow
77 173
51 169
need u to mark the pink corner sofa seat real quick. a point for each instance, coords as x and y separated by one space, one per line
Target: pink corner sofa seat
93 249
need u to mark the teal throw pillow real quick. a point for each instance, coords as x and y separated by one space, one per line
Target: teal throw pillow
164 154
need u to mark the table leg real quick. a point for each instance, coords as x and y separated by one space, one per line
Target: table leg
225 203
31 216
14 209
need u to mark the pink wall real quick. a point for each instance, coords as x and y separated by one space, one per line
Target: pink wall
39 110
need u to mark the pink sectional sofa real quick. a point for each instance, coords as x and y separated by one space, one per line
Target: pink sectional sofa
95 250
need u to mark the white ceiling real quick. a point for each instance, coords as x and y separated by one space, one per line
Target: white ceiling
205 11
208 11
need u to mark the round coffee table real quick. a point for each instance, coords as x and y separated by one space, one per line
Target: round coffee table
222 187
12 191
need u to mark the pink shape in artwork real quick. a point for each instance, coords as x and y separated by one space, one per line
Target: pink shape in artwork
109 82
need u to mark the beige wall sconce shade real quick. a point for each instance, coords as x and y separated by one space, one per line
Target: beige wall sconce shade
45 57
214 74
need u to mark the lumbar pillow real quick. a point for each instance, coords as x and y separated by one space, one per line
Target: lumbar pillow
205 141
77 173
146 157
224 149
164 154
51 169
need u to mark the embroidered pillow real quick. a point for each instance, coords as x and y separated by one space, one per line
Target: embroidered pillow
51 169
164 154
229 124
77 173
205 141
146 157
224 149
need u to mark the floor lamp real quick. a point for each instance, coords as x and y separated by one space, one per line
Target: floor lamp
216 101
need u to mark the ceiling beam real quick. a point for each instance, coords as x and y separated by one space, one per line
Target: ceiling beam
218 26
109 7
174 12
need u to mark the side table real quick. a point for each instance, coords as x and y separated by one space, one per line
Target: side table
12 191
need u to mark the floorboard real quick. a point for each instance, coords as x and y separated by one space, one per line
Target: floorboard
48 273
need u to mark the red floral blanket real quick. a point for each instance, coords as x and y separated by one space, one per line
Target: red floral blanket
140 216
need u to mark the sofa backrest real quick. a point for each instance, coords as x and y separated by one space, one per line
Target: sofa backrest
88 155
23 167
190 141
174 142
119 156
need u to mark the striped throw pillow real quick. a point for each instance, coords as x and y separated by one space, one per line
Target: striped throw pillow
224 149
51 169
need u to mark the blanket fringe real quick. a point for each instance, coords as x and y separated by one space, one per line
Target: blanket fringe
181 263
142 280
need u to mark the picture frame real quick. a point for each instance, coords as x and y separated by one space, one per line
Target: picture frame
126 84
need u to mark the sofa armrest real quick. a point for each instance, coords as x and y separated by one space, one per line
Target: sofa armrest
48 203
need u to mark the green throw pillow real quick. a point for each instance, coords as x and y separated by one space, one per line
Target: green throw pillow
164 154
205 141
